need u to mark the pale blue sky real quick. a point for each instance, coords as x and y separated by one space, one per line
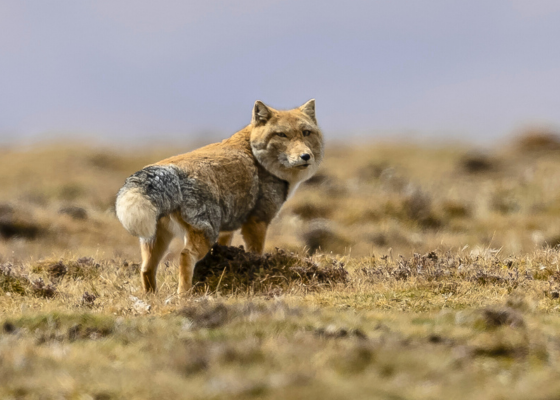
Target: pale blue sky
157 70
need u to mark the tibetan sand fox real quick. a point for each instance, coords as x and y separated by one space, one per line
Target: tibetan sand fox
207 194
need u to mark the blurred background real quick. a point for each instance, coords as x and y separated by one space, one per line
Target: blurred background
141 70
441 117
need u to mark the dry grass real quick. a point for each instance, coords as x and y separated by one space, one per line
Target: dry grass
408 272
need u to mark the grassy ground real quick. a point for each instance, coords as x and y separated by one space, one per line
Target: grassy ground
416 273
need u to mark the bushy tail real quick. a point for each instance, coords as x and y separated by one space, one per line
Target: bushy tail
136 212
146 196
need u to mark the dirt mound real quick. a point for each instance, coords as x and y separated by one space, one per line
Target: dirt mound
232 269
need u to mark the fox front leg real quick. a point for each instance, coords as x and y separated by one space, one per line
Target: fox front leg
225 238
254 234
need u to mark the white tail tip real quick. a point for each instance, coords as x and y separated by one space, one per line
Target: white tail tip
137 213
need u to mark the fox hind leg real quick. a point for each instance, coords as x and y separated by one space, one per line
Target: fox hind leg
197 245
152 253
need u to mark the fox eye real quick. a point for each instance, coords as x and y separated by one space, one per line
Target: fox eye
306 132
281 134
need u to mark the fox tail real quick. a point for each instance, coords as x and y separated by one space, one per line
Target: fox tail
146 196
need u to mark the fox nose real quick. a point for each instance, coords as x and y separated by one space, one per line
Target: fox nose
305 157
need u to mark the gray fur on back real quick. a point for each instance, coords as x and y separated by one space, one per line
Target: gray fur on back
170 190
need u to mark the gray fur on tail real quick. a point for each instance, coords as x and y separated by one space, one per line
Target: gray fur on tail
146 196
160 184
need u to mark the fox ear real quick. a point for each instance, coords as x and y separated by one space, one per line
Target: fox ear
309 109
261 113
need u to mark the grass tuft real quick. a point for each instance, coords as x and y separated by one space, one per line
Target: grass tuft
231 269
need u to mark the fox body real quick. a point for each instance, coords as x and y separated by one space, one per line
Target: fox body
207 194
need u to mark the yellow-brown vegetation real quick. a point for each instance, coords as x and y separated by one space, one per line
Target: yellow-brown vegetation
406 271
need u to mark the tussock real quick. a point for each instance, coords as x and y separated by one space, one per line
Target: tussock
84 267
14 281
321 236
372 171
88 299
206 312
80 332
78 213
332 332
477 163
57 270
231 269
537 141
455 209
207 315
309 211
495 317
41 289
15 225
418 207
449 269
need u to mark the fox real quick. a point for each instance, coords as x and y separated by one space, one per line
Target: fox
203 197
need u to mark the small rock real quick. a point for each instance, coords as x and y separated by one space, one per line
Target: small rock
140 306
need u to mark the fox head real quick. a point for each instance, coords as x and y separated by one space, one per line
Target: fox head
289 144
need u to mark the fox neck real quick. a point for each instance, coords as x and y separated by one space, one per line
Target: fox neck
273 166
